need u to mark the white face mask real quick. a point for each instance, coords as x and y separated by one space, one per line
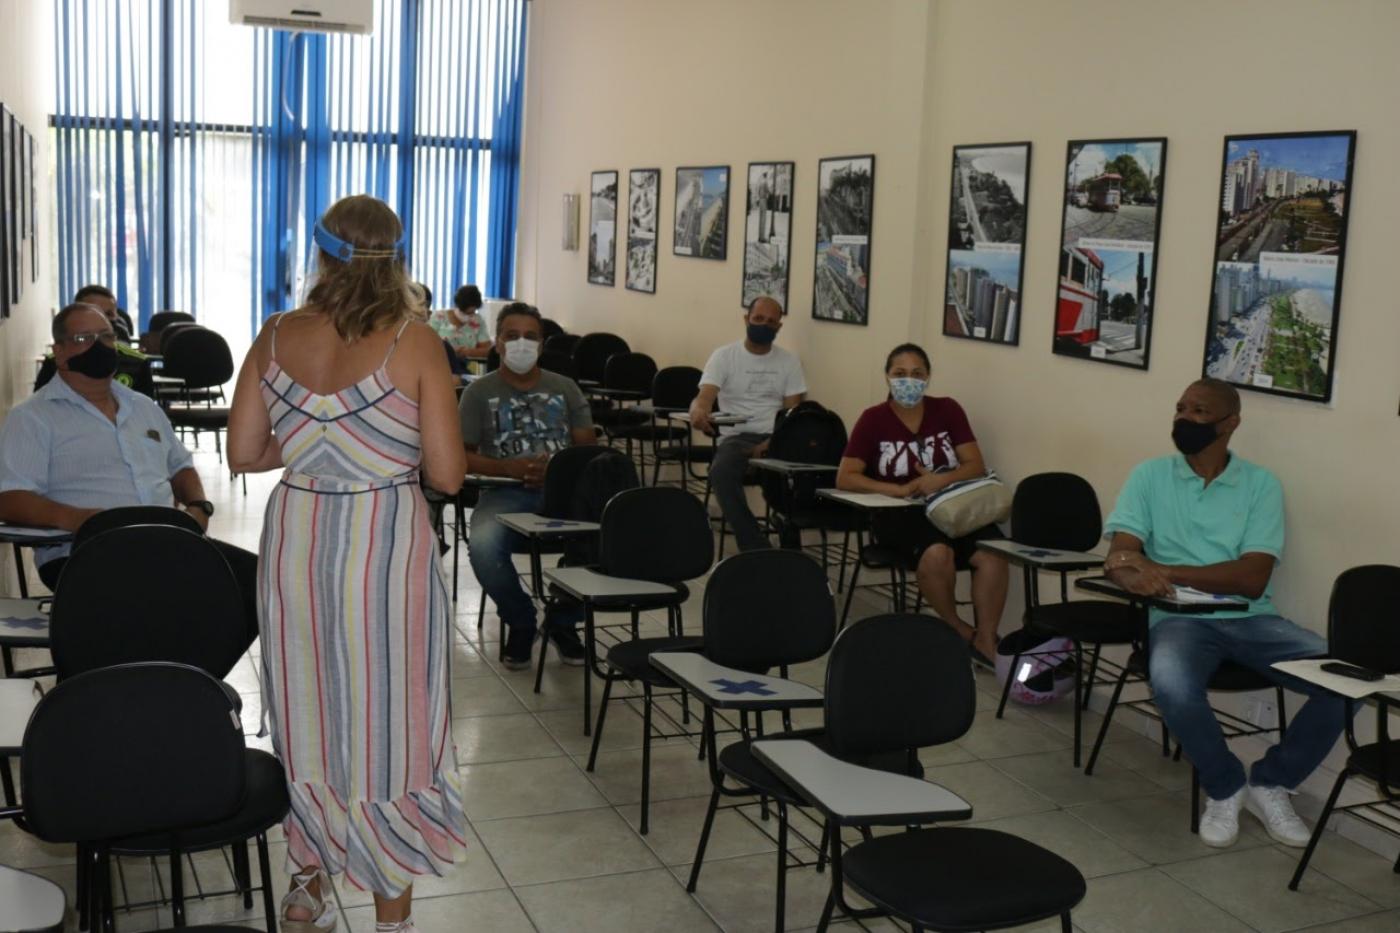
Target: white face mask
521 355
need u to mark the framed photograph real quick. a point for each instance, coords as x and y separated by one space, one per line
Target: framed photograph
643 200
702 212
845 209
30 172
8 219
602 228
1105 297
986 242
1280 245
767 232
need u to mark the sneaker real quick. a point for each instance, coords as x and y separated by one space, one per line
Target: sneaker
1220 824
1273 808
516 654
566 641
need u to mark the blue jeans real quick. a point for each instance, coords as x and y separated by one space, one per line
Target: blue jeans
490 546
1186 650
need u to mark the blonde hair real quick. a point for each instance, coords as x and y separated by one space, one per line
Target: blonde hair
364 294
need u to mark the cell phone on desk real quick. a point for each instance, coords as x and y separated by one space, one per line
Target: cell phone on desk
1352 671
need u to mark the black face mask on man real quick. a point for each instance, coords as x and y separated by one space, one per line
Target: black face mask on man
98 361
1192 437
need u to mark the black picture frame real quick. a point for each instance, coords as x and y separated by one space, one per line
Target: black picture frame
691 235
1294 174
31 173
841 271
643 229
602 222
8 220
1110 220
768 232
997 240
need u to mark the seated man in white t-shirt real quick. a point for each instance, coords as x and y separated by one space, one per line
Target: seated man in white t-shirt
754 379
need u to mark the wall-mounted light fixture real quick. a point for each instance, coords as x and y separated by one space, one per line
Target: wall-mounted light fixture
571 221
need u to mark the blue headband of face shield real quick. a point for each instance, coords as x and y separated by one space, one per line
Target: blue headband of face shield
346 251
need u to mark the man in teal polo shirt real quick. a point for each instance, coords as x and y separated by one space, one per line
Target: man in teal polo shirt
1211 520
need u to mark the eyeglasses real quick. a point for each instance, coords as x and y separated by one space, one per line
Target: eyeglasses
82 340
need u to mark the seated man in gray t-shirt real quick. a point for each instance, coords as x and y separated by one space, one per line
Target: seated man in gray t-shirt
512 421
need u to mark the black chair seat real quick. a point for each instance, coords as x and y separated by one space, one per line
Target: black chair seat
234 697
265 803
737 760
1097 621
644 603
839 518
652 432
617 417
698 453
1366 760
957 878
208 418
631 658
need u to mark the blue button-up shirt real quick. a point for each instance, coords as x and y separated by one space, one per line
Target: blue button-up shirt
58 445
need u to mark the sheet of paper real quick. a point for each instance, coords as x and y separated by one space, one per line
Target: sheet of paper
38 534
1188 595
874 500
1311 671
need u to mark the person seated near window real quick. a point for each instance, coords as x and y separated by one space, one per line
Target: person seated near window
1209 519
462 327
513 419
756 380
85 442
914 444
101 298
133 366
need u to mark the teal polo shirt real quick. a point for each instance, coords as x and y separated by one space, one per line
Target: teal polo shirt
1182 521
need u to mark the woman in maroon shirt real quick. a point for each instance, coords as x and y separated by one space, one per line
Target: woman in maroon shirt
914 445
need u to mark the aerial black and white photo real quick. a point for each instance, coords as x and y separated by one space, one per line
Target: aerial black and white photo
602 229
643 191
768 232
845 200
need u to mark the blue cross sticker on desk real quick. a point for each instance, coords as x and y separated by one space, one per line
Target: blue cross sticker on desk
754 687
1036 552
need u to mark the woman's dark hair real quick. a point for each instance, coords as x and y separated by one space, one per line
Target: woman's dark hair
467 297
904 348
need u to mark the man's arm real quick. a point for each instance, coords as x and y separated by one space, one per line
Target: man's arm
528 469
1127 566
702 406
188 487
792 401
20 507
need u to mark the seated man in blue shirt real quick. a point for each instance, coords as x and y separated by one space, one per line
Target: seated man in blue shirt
1211 520
85 442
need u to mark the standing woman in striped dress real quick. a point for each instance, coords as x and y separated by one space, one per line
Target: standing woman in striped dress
352 395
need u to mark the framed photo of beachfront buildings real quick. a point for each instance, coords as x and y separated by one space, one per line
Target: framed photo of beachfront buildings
1279 250
986 242
1105 299
768 232
602 228
702 212
845 215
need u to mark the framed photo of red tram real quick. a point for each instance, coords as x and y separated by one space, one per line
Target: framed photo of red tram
1112 221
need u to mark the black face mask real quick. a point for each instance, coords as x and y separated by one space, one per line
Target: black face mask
97 362
1192 437
762 334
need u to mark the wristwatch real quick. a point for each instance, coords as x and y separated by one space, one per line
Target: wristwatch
204 505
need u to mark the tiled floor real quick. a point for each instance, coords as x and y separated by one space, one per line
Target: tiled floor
555 848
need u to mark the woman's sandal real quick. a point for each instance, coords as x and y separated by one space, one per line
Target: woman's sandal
322 910
398 926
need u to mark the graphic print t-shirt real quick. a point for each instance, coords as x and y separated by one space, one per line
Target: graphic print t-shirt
753 385
890 451
503 422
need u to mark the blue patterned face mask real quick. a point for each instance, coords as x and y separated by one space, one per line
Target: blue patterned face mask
907 392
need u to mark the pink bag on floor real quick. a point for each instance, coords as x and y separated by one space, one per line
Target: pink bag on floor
1045 674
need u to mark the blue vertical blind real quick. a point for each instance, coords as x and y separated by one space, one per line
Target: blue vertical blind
192 156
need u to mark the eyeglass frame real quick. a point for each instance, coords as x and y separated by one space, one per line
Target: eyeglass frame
109 337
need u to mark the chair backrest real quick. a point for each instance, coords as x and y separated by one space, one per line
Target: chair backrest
493 359
634 371
897 682
658 533
592 352
767 608
557 361
147 593
1363 617
168 334
130 750
808 433
199 356
675 386
561 477
127 515
549 328
562 343
1056 510
163 319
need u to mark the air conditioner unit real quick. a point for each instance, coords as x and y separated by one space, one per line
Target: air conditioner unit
355 16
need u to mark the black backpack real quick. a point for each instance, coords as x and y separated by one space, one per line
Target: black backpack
806 433
606 475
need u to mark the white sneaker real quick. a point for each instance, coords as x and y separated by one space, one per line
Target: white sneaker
1273 808
1220 824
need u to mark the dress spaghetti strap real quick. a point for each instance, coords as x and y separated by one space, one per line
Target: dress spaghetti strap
395 345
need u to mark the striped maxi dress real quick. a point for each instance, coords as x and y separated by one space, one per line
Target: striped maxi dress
356 637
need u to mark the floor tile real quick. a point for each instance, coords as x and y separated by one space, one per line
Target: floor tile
641 902
675 772
1360 869
675 830
741 893
1093 853
526 788
502 738
1016 734
484 912
1144 756
992 794
1157 828
622 729
1054 775
562 846
482 696
1148 901
1387 921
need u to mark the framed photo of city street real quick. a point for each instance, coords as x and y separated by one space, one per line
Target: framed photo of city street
768 232
702 212
845 211
1105 298
986 242
602 229
643 198
1280 245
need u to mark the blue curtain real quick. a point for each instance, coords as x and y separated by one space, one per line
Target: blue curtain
152 146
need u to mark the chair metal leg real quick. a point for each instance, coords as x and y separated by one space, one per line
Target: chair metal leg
242 874
481 611
704 840
598 726
782 866
82 880
825 920
102 912
265 871
1078 697
1065 925
646 756
7 781
1107 719
1093 673
1320 828
821 846
177 889
850 592
544 649
845 559
1195 800
1006 687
